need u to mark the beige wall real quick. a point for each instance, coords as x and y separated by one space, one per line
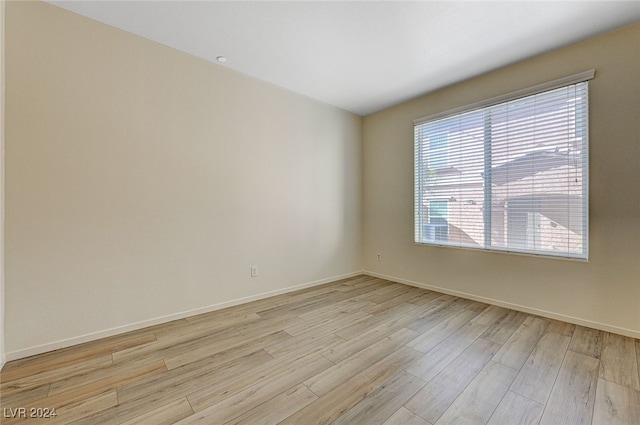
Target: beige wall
2 38
603 292
142 183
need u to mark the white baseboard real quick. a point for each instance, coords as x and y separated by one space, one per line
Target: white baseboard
31 351
548 314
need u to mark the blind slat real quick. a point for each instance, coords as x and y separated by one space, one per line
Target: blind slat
510 176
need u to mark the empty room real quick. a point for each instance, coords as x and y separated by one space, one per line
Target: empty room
320 212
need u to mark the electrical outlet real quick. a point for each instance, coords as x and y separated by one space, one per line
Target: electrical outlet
254 271
379 256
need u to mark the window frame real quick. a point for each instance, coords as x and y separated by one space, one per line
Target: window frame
498 100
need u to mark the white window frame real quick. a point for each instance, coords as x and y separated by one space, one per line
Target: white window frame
420 168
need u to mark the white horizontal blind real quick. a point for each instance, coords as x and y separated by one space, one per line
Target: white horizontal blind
512 176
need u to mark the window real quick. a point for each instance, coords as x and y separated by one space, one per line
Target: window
438 151
437 229
508 174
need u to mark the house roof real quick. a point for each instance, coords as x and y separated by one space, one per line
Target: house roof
530 164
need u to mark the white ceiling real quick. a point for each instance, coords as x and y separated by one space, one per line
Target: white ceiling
362 56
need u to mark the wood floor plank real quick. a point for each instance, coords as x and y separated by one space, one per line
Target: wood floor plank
438 333
391 302
53 375
366 338
310 350
573 395
234 312
278 408
489 315
424 297
436 397
438 310
296 308
518 347
313 292
203 328
374 352
65 402
504 327
166 415
479 307
111 380
24 396
616 404
117 414
222 350
375 291
617 363
349 284
562 328
122 412
391 315
332 310
221 390
55 359
358 290
587 341
515 409
228 408
75 411
383 402
304 344
62 413
333 404
181 343
186 379
106 374
383 297
125 411
341 372
269 325
168 327
339 321
477 402
429 365
404 416
539 372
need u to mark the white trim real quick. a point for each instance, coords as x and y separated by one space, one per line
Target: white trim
529 91
570 111
542 254
56 345
544 313
19 354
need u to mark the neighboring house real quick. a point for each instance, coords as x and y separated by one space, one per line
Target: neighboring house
535 184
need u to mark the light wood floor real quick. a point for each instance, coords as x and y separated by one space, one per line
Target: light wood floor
358 351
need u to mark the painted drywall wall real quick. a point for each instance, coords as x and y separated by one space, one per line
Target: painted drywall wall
142 183
603 292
